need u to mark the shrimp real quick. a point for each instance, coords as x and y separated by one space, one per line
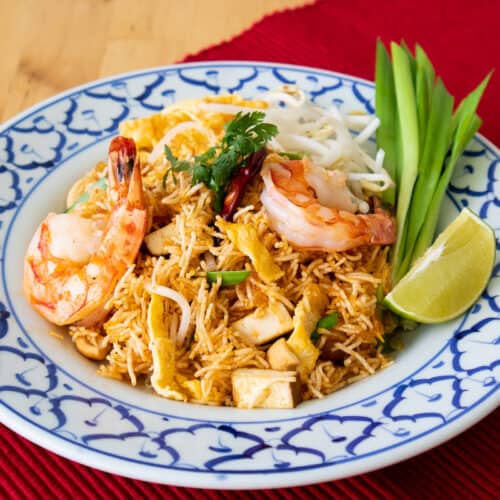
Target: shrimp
72 264
314 208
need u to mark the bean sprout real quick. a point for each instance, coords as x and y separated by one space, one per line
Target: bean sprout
325 136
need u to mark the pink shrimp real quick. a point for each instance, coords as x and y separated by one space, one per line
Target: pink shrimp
72 265
319 217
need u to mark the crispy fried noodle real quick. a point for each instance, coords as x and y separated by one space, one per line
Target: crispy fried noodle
267 303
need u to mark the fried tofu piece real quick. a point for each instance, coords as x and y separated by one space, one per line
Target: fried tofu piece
281 356
264 324
257 388
158 241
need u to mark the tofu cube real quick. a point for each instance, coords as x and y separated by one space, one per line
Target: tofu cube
157 241
264 324
281 356
257 388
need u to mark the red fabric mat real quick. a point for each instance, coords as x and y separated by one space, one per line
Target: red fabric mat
463 42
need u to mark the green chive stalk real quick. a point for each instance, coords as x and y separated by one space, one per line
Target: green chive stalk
385 103
422 139
467 123
433 156
424 79
408 126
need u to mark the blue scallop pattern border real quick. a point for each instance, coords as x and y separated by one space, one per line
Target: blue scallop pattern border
455 381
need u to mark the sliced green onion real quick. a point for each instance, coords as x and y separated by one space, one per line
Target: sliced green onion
325 322
328 322
99 184
229 278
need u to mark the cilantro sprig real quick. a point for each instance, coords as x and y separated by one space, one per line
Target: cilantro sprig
244 135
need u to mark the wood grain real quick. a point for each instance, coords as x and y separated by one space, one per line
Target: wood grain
48 46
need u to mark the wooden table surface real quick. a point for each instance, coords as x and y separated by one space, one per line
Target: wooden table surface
48 46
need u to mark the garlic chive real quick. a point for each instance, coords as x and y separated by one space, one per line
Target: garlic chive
408 126
228 278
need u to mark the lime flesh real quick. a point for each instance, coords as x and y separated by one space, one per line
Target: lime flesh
450 276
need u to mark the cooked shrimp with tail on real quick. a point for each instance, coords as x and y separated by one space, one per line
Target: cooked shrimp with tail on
73 263
315 210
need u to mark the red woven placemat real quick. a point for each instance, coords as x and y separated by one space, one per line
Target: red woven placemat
463 42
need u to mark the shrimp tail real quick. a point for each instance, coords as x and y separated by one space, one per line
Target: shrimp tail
135 193
122 163
381 227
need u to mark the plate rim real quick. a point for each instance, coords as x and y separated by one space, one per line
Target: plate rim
220 62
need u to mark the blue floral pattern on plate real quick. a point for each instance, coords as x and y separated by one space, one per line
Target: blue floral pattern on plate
453 387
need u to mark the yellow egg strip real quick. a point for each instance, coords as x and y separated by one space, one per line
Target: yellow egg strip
245 238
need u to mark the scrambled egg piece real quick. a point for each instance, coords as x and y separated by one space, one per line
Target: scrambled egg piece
307 314
148 131
164 379
163 350
193 386
245 238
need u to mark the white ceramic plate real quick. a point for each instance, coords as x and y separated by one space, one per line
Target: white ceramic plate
445 379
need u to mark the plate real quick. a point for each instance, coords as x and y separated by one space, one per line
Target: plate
442 382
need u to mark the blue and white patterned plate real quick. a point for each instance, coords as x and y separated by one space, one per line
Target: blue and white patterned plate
444 380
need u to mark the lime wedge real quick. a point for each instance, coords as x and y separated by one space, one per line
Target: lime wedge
450 276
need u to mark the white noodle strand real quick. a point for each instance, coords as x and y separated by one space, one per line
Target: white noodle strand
171 294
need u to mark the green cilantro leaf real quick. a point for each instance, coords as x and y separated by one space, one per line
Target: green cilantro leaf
244 135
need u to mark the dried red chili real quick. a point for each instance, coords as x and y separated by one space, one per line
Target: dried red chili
238 183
